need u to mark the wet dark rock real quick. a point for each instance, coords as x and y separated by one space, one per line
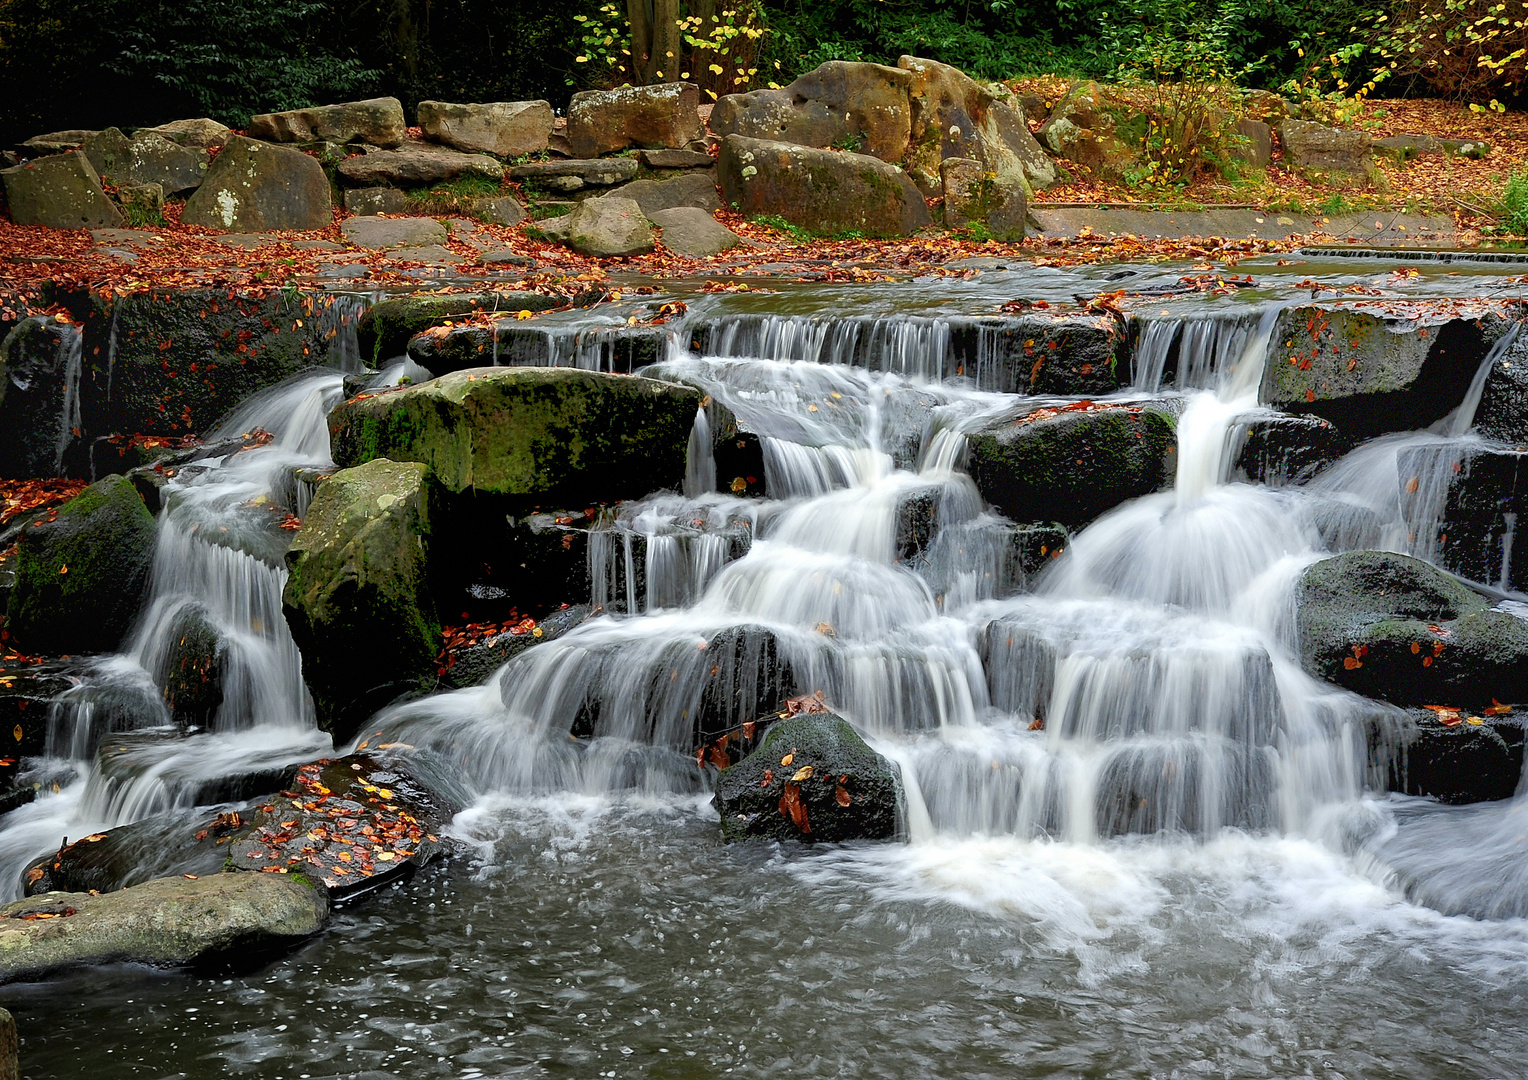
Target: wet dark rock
835 104
1283 451
473 664
61 192
126 454
1374 371
489 562
1479 518
80 576
1398 629
918 520
41 372
359 562
1071 355
27 692
822 191
1503 411
577 437
814 780
193 670
377 121
259 187
1469 758
383 332
168 922
1072 465
989 557
352 823
160 845
615 349
663 116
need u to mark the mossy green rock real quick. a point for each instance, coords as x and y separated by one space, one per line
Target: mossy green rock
383 332
357 598
1071 466
559 433
81 575
1396 628
167 922
848 792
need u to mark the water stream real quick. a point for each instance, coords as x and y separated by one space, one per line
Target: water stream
1137 835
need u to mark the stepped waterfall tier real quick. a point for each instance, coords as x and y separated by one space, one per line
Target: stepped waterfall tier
1050 671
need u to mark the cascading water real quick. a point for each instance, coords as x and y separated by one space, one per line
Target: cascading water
217 576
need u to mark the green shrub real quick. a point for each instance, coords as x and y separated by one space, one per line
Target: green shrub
1514 205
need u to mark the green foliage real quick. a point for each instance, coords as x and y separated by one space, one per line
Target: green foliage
452 197
1474 50
1514 205
221 58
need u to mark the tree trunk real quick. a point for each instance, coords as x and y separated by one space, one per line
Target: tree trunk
656 48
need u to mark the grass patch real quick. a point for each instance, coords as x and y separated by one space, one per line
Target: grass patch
453 197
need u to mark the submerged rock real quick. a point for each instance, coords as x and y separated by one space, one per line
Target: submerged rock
1452 757
473 663
578 437
1474 499
1283 451
1071 464
1396 628
41 381
81 575
813 779
193 669
822 191
168 922
358 599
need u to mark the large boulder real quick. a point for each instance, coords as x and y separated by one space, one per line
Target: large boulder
146 158
1503 410
549 433
257 187
691 231
1088 127
359 563
692 189
972 195
500 128
378 121
954 116
376 200
80 575
203 132
167 922
850 105
1316 146
61 192
1073 463
416 166
666 115
812 779
1396 628
1372 369
822 191
1449 755
41 373
609 227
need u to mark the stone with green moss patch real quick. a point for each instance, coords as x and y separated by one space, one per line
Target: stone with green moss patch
383 332
81 575
357 599
580 437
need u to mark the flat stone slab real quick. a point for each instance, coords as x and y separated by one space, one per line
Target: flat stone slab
675 159
1072 223
383 232
417 165
167 922
688 230
596 172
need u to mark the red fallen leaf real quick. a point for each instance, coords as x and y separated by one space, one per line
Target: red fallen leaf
769 778
1351 663
1037 724
749 727
792 807
1497 709
841 795
1427 661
